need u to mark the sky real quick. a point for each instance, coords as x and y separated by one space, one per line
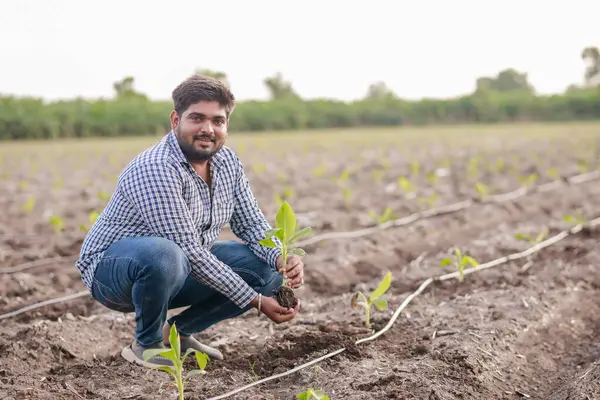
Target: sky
60 49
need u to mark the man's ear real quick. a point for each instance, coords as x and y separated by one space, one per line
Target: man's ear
174 119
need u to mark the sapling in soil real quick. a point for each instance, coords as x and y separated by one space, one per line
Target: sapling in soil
460 261
311 393
374 299
174 354
283 237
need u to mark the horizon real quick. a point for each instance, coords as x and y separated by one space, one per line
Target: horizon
84 57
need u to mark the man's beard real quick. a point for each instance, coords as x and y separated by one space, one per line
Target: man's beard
192 153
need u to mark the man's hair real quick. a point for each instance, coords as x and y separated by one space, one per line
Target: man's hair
202 88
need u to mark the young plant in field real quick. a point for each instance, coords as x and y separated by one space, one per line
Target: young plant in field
283 237
482 190
311 393
92 218
415 168
103 196
528 180
347 193
529 238
374 299
576 219
29 205
433 178
405 185
429 201
387 215
57 223
286 194
174 354
583 166
377 175
460 261
553 173
318 171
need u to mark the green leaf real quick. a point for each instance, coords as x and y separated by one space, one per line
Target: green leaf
271 232
202 359
380 304
268 243
520 236
303 396
317 394
446 261
286 220
383 286
194 372
298 252
457 252
174 341
167 353
470 260
168 369
301 233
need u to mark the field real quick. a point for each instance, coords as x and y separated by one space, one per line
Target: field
525 328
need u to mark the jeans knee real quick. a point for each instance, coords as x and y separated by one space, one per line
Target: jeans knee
164 259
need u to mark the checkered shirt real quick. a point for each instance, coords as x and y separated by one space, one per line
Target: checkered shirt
159 194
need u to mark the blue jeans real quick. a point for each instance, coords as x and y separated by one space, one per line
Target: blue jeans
151 275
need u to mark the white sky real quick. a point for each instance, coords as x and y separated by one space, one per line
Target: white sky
420 48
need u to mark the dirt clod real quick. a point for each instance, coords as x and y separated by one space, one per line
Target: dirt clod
286 297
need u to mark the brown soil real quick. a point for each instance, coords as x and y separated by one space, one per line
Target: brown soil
503 333
286 297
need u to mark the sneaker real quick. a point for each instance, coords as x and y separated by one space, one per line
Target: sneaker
213 354
190 341
134 354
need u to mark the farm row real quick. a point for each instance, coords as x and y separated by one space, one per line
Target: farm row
500 332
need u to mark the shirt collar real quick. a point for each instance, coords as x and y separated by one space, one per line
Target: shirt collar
216 161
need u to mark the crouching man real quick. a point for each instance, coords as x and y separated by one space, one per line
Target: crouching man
154 247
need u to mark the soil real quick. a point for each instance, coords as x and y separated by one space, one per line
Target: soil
286 297
506 332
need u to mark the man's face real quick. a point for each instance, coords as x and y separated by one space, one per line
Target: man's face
201 130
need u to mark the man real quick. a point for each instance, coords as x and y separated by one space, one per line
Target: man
154 246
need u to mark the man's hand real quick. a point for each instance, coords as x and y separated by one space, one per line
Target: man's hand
271 308
293 271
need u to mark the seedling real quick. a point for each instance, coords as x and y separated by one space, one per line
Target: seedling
387 215
29 205
311 393
460 261
415 167
57 223
553 173
532 240
283 237
378 175
374 299
405 185
576 219
429 201
528 180
347 193
482 190
92 218
433 178
174 354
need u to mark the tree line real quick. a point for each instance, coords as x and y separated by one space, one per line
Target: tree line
506 97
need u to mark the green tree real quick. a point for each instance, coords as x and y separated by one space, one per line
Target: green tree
279 89
591 56
125 89
508 80
219 75
379 91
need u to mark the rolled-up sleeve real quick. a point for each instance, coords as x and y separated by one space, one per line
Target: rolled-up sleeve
156 191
